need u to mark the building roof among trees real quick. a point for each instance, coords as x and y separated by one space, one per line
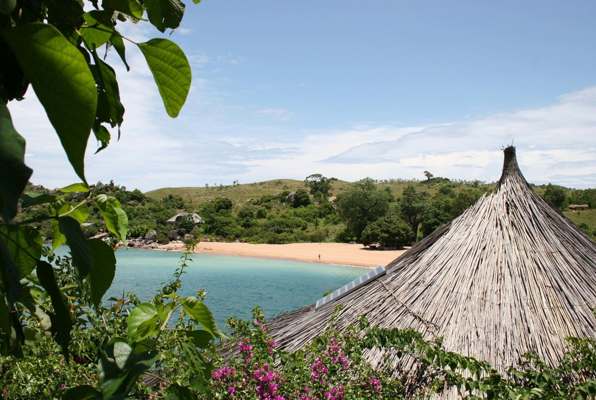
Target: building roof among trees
196 218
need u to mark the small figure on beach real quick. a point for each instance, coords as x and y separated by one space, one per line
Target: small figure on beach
319 258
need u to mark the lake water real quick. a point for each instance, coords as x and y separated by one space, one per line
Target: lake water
234 285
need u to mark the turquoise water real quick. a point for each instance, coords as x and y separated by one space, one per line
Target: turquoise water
234 285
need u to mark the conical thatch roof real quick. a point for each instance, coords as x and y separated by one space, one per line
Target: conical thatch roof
508 276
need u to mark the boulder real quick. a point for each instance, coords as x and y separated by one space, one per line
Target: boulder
151 235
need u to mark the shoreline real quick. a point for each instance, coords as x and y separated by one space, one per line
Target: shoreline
344 254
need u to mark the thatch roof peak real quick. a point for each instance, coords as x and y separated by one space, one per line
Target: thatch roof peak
509 276
510 166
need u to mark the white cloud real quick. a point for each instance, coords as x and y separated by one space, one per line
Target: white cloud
556 143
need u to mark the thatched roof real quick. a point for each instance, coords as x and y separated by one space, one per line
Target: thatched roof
509 276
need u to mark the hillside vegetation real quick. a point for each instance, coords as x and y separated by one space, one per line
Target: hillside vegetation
260 212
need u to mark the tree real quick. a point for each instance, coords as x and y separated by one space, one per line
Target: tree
362 204
412 205
555 196
390 231
319 185
300 198
428 175
435 214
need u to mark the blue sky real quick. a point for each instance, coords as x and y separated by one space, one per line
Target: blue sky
353 89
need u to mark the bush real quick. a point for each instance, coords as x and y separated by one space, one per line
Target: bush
554 196
390 231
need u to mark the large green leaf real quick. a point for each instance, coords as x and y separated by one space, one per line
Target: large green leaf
79 246
103 269
14 174
143 322
130 7
23 244
201 314
61 319
113 215
165 13
171 72
62 81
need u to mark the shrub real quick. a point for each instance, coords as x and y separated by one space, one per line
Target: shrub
390 231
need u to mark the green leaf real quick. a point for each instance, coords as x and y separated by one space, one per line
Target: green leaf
83 392
165 13
58 239
75 188
113 215
142 322
122 351
79 246
102 135
170 70
14 174
177 392
80 213
109 107
103 269
130 7
64 12
61 319
62 81
4 317
94 32
23 244
200 338
35 199
118 44
7 6
200 313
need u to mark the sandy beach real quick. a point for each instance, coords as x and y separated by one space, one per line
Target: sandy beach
324 253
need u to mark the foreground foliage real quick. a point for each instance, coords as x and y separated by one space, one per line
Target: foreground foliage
180 360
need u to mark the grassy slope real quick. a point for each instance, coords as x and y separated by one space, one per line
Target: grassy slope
587 217
244 192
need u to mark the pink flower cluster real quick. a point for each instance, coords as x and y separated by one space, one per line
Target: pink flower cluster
223 373
318 370
335 393
246 350
375 384
267 383
336 354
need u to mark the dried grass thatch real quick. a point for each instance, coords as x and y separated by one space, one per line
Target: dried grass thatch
510 275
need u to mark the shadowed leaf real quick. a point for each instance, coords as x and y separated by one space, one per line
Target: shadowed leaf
103 269
14 174
61 320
